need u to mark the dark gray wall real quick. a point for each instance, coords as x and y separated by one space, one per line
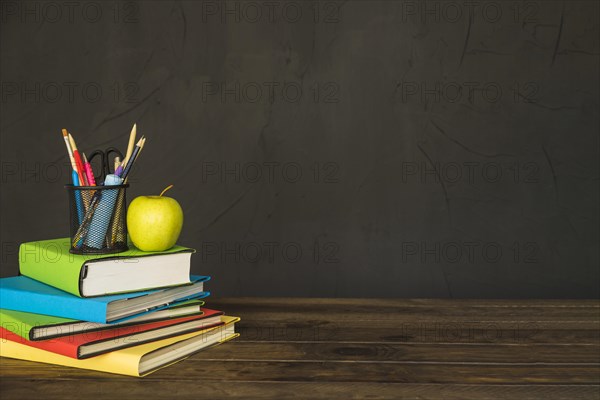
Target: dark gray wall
404 148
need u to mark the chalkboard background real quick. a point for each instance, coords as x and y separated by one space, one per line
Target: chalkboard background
358 148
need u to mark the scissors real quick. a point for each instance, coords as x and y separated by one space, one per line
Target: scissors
105 164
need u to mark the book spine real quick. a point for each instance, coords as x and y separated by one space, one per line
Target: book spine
62 347
115 362
15 325
57 306
51 263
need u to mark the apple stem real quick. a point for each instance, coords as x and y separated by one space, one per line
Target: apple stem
167 188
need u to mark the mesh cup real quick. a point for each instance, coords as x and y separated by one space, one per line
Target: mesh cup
97 217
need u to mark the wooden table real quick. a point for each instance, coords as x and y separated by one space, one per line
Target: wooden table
352 348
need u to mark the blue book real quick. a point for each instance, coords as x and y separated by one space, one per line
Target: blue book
20 293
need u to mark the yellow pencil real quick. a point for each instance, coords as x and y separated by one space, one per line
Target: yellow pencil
69 150
131 145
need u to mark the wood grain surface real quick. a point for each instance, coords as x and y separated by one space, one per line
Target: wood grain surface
308 348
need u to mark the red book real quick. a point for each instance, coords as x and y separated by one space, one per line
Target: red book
89 344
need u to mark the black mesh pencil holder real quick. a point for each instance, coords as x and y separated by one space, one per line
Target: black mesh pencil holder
97 219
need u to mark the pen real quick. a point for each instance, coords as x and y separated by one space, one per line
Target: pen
84 226
120 169
88 171
123 174
133 158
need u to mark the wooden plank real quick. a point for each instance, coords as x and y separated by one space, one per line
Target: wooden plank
350 311
400 302
435 307
415 332
414 353
316 371
421 319
386 372
142 388
407 353
433 321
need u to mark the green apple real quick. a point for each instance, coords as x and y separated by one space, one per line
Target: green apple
154 222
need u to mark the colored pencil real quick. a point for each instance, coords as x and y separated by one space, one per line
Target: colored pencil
69 150
130 145
78 162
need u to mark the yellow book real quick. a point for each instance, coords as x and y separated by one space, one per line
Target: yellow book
134 361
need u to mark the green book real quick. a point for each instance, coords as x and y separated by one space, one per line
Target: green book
42 327
50 262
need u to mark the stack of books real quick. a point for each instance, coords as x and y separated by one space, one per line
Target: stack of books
128 313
